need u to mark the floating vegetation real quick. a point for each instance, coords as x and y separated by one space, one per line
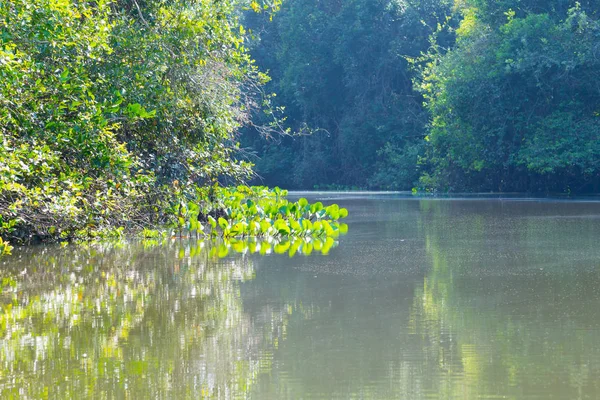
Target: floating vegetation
257 212
243 219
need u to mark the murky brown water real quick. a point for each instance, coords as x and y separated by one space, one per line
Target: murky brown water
423 299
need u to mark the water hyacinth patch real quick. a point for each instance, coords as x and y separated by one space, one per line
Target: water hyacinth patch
258 212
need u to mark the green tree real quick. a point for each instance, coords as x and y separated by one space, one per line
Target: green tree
104 103
513 107
341 69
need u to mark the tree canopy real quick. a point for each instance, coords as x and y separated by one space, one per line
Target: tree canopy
104 103
514 104
470 95
341 70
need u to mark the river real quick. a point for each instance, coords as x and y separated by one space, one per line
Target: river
453 298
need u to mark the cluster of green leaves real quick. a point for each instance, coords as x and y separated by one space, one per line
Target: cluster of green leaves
103 103
62 167
259 212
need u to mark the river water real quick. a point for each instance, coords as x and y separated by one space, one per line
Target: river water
422 299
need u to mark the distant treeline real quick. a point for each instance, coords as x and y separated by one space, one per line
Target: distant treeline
465 95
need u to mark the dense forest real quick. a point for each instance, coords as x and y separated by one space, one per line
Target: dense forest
465 95
111 111
115 113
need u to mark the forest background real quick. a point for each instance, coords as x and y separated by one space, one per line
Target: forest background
437 95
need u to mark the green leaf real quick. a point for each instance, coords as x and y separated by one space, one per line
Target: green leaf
238 228
284 210
295 225
212 222
307 225
318 226
223 223
343 229
316 207
264 226
282 227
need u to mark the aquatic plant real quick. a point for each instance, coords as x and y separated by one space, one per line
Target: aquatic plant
259 212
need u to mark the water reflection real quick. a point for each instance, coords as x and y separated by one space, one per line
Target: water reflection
431 299
509 307
423 299
128 321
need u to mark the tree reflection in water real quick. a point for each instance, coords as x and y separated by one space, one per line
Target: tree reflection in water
138 320
502 313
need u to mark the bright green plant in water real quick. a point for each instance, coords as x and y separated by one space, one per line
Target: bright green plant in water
259 212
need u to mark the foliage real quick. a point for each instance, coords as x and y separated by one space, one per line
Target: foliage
341 69
62 167
258 212
397 164
470 95
103 103
5 247
512 108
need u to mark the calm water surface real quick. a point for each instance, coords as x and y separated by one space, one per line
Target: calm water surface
422 299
